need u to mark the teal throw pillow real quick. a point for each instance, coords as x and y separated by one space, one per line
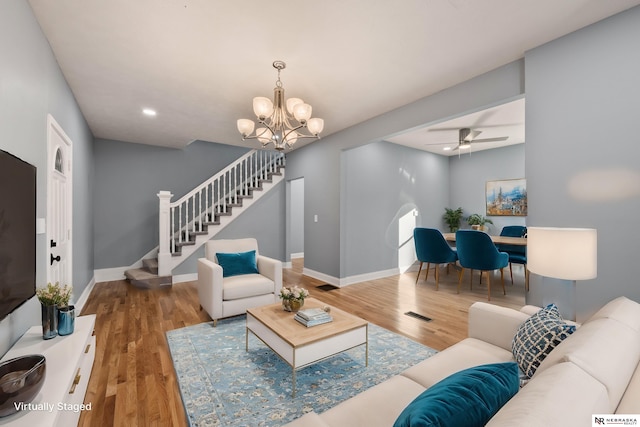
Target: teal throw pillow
537 336
467 398
237 263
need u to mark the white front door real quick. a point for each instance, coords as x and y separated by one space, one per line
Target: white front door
59 223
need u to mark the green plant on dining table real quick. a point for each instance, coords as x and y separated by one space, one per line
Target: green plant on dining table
479 220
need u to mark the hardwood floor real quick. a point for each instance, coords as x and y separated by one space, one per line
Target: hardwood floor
133 382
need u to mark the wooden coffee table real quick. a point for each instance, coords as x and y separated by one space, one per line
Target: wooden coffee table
300 346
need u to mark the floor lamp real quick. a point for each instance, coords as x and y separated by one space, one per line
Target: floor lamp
563 253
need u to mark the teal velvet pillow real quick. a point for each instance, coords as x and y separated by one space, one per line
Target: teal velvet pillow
236 264
467 398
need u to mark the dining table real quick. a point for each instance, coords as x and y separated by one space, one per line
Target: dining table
500 240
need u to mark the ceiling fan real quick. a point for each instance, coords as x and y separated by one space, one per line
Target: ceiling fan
466 137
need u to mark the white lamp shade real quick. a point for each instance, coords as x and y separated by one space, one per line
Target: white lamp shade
262 107
292 102
245 126
291 137
315 126
302 112
264 135
563 253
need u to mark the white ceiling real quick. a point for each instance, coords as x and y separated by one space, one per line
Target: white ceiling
506 120
199 63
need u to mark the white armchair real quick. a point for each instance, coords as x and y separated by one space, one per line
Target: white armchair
229 296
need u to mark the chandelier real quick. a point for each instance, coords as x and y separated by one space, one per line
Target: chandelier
281 123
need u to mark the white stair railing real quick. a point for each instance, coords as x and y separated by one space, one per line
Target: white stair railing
190 215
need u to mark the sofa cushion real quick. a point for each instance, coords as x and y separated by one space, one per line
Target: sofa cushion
467 398
467 353
537 336
234 264
630 402
606 349
494 324
563 395
378 406
621 309
245 286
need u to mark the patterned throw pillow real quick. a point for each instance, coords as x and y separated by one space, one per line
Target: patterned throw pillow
537 336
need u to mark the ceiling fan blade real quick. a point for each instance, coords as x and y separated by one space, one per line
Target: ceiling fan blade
502 138
443 129
442 143
472 135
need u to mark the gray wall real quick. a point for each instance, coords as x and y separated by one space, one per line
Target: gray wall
128 179
582 151
296 215
32 86
468 175
384 183
320 163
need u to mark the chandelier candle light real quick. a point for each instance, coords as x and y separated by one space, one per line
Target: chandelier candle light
283 123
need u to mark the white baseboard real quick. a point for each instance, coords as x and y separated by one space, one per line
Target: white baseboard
287 264
82 300
182 278
297 255
350 280
321 276
108 274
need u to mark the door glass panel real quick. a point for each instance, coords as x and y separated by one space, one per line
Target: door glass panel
59 162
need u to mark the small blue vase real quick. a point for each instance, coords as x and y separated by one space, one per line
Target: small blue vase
66 320
49 321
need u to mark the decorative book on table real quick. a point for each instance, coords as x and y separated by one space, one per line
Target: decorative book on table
312 317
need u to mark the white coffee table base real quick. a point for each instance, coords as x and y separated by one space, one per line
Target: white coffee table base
305 355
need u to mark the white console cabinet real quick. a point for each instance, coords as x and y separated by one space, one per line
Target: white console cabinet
69 363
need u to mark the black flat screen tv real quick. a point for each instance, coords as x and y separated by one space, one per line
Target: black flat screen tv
17 232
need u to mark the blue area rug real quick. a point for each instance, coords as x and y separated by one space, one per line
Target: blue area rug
224 385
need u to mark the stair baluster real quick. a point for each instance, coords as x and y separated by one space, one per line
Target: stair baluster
200 212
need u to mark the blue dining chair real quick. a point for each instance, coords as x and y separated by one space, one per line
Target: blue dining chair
477 251
431 247
517 254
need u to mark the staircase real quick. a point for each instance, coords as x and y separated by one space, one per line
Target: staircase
186 224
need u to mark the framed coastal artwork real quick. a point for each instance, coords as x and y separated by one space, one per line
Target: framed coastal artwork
507 197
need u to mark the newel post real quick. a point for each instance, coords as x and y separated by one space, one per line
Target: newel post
164 252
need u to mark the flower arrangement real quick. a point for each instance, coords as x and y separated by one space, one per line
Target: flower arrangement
295 293
55 295
293 298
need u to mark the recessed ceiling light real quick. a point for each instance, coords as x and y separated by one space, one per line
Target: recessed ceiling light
447 148
149 112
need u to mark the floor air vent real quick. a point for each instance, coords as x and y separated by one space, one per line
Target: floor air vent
326 287
418 316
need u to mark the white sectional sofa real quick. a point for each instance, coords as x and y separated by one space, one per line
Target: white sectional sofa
593 371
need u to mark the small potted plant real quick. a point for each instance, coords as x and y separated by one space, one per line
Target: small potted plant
452 217
52 298
477 222
293 298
